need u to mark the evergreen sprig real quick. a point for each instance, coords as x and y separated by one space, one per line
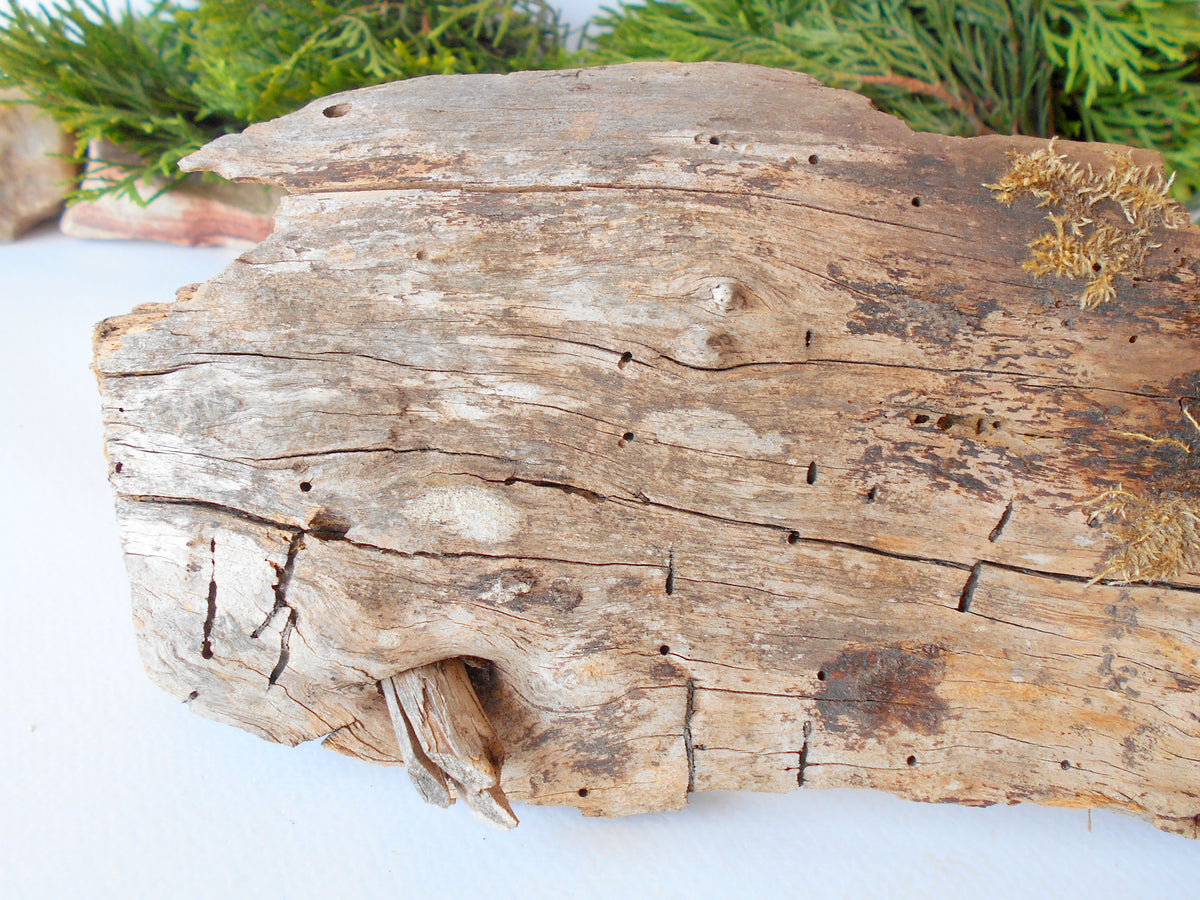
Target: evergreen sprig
1121 71
162 84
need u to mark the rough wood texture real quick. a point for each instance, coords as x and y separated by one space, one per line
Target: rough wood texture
34 178
712 407
199 214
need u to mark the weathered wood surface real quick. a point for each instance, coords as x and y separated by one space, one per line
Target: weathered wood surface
34 176
199 213
711 407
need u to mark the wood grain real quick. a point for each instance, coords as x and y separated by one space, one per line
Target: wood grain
711 408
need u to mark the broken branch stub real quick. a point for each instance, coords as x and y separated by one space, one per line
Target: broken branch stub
716 412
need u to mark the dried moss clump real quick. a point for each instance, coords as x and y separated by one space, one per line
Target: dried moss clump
1159 536
1088 239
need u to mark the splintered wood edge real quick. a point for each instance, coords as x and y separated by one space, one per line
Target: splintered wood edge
449 747
428 779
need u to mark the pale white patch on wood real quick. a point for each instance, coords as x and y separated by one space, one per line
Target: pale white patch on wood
473 513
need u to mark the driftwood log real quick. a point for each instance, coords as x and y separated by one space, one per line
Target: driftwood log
710 427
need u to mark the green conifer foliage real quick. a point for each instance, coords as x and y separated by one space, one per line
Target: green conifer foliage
162 84
1122 71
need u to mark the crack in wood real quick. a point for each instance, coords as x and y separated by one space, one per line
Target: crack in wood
285 653
968 591
801 772
206 649
284 577
1002 524
689 745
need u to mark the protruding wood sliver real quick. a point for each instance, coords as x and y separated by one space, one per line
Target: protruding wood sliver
448 744
745 438
427 777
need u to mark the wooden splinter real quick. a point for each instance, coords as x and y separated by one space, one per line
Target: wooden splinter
448 745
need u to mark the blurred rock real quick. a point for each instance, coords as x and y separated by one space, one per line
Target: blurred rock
33 181
202 212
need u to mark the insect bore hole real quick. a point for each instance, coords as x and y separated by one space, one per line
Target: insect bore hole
916 201
626 359
814 159
336 111
664 650
714 140
628 437
1133 339
822 675
118 467
306 486
1065 764
793 537
583 792
911 761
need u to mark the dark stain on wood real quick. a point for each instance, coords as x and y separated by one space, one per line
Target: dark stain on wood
893 309
882 690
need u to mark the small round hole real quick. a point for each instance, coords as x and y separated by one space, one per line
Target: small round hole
944 422
664 650
118 467
626 359
583 792
1133 339
193 695
920 419
912 761
628 437
306 486
814 159
120 409
873 495
916 201
793 537
822 675
336 111
1096 267
1065 764
714 140
419 255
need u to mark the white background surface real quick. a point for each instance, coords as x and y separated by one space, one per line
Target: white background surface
110 788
